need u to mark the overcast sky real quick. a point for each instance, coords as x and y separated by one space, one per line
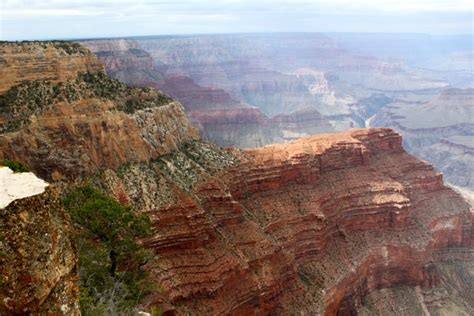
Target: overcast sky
44 19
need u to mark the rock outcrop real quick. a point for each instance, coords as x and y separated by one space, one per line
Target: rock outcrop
38 258
80 122
54 61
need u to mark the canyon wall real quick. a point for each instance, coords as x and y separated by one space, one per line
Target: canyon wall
314 226
223 118
439 129
308 227
77 121
256 89
55 61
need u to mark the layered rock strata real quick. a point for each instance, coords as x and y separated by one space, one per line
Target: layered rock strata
312 226
278 75
55 61
439 130
85 122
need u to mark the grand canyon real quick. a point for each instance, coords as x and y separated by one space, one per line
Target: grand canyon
250 90
249 154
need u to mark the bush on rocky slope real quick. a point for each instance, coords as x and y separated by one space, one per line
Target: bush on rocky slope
14 165
113 280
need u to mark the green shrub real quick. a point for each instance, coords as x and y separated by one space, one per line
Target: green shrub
113 280
16 166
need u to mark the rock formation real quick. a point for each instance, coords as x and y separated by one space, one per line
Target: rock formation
54 61
314 226
38 259
80 124
311 226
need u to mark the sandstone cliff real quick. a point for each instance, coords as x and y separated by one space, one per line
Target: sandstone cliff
77 121
55 61
314 226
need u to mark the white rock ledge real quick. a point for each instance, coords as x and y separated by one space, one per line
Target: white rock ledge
14 186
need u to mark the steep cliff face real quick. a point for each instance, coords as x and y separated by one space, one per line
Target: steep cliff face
38 260
81 122
312 226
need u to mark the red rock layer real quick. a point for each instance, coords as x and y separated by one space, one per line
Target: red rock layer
308 227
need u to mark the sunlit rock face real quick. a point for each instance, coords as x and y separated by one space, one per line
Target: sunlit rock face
75 120
237 87
54 61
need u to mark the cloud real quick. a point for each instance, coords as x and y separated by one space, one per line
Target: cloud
24 19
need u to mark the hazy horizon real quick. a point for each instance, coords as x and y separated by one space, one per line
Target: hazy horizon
78 19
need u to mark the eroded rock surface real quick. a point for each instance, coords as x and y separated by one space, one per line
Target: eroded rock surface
55 61
79 120
312 226
297 84
38 259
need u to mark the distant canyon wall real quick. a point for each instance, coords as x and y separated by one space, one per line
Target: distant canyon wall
253 90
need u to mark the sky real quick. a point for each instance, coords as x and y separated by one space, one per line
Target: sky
60 19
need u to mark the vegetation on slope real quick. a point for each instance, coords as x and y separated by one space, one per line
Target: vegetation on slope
112 274
193 161
63 47
14 165
35 97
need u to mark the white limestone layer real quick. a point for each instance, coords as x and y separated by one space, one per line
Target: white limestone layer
14 186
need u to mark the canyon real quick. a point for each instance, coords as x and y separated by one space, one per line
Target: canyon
249 90
329 224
